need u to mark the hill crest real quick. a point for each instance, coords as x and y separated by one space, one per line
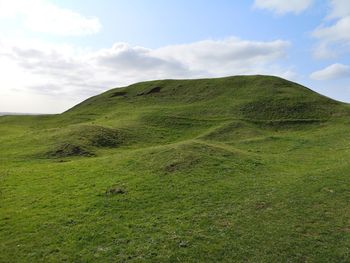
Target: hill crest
253 97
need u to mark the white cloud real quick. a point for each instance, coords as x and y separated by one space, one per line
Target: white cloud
334 71
282 7
339 8
42 16
227 56
333 34
130 60
72 74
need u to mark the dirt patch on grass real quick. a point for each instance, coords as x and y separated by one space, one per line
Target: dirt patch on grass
262 205
154 90
115 190
69 150
181 164
118 94
151 91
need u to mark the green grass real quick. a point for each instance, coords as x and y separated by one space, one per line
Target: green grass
238 169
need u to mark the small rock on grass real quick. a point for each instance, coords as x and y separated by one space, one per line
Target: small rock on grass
183 244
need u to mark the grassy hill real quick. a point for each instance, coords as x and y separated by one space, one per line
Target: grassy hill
237 169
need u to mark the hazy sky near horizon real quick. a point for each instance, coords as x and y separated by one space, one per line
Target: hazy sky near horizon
55 53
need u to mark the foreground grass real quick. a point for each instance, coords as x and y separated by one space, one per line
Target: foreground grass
210 172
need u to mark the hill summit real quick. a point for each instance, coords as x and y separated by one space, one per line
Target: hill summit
253 97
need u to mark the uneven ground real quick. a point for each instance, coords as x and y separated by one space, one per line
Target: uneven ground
239 169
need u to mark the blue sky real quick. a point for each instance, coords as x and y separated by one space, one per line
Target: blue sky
53 54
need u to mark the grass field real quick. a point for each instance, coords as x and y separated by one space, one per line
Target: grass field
238 169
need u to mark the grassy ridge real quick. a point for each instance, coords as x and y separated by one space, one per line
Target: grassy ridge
247 168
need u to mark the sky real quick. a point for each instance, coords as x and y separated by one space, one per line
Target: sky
56 53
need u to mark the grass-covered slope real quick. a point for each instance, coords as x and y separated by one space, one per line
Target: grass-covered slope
238 169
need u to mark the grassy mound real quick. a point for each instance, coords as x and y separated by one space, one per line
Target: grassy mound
81 140
98 136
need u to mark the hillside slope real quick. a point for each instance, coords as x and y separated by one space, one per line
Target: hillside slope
245 168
